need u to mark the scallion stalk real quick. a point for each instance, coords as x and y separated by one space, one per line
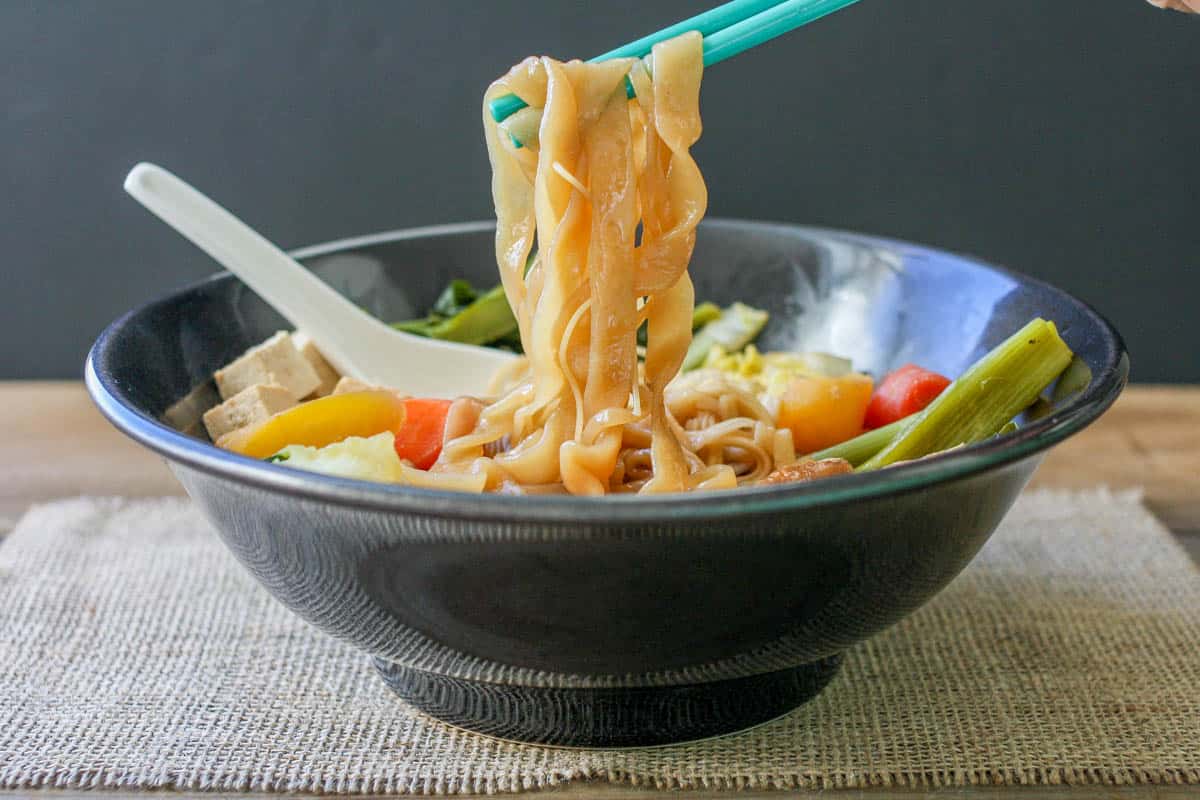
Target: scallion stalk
983 399
863 446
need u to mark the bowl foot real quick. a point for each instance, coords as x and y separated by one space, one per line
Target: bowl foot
610 717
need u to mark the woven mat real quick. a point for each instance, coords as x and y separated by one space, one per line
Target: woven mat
134 652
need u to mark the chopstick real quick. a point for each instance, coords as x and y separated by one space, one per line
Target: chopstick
728 29
765 26
707 23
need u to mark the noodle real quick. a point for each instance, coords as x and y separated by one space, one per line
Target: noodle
612 197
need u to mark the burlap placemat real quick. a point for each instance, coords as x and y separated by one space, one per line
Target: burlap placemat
134 652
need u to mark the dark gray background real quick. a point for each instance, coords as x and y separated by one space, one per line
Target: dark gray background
1059 137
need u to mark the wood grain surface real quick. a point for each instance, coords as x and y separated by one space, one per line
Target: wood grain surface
58 445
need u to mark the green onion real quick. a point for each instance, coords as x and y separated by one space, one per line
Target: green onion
1010 427
983 399
863 446
1075 378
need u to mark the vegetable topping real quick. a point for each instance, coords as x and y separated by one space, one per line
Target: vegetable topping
903 392
419 439
320 422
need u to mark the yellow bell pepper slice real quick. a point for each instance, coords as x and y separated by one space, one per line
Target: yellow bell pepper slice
824 411
320 422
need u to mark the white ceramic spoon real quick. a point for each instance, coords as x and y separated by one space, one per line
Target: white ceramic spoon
354 342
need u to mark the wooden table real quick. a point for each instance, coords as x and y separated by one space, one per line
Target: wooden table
58 445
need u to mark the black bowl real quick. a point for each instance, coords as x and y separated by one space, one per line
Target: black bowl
621 621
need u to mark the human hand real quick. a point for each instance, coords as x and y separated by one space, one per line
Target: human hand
1187 6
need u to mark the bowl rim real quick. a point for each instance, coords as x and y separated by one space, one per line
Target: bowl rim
1106 384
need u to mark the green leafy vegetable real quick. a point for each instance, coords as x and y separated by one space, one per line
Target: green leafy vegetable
420 327
705 313
454 299
737 327
484 321
461 314
702 315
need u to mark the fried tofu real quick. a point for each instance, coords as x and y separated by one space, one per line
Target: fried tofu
275 362
347 384
327 374
251 406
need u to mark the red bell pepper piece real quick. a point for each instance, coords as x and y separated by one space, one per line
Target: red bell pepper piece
419 439
905 391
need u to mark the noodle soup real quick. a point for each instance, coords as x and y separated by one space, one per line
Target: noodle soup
626 384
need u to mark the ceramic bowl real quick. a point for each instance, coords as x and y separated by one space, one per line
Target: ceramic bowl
621 621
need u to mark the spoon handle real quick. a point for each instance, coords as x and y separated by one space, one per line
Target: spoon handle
295 292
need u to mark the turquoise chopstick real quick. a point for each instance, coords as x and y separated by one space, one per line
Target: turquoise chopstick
708 23
728 29
763 27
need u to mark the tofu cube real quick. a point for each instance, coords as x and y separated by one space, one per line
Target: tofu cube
276 361
347 384
328 375
250 406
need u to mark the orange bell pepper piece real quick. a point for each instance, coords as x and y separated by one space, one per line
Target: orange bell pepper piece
320 422
822 412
